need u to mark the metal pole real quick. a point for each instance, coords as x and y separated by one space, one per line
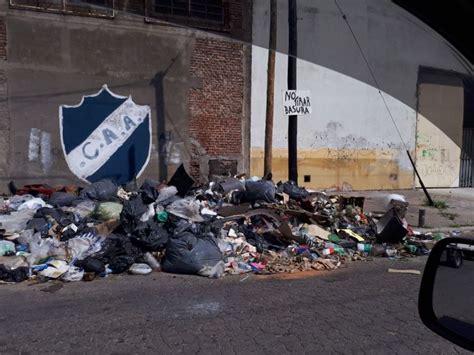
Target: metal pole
292 120
267 161
430 201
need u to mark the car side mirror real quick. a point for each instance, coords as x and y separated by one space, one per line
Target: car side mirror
446 300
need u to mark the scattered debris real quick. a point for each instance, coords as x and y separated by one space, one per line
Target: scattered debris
231 226
405 271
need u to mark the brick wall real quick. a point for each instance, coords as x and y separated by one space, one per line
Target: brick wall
216 107
4 114
3 39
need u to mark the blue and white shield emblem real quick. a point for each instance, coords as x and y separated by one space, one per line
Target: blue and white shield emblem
106 136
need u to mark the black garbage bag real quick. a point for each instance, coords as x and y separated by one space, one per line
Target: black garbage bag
187 253
258 191
103 190
148 191
64 218
390 228
61 199
294 191
131 213
262 242
91 264
121 264
116 245
38 224
182 181
229 184
149 236
16 275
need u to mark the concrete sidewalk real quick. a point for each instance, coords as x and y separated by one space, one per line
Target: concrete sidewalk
458 215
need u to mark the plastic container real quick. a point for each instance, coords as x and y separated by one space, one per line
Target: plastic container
7 248
334 238
390 252
328 251
365 248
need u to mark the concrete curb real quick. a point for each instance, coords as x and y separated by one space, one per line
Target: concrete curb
444 229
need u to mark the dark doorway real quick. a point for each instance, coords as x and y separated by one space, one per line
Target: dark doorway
466 178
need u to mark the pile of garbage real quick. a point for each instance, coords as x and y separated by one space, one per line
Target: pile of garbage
231 226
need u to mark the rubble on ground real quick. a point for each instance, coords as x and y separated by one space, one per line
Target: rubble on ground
231 226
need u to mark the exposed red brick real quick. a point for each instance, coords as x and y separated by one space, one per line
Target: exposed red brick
3 39
216 109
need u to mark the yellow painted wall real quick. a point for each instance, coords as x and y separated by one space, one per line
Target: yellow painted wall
339 168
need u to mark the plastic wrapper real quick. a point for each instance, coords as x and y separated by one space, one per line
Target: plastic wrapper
108 210
81 247
83 209
187 209
167 194
41 249
73 274
17 200
16 221
32 204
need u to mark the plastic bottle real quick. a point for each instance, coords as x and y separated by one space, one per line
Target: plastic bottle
243 267
152 262
162 216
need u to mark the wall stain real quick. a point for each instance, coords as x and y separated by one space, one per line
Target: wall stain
361 169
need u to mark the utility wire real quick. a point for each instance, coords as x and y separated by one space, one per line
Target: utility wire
430 201
372 74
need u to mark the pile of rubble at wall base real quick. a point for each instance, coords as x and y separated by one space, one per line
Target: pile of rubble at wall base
232 226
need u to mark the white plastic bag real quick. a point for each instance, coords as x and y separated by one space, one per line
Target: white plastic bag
32 204
140 269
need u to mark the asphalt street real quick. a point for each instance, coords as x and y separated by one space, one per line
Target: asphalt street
359 309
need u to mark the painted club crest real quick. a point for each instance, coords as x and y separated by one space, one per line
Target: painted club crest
106 136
